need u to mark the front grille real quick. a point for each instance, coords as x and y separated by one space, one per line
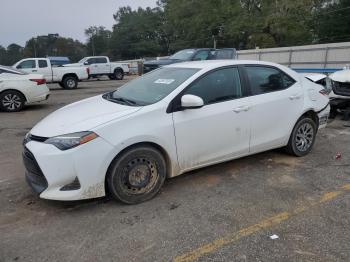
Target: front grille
37 138
342 89
34 175
31 137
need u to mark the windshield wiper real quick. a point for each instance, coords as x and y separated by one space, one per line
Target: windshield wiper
119 99
123 100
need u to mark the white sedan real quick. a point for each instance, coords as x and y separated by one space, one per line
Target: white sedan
175 119
18 88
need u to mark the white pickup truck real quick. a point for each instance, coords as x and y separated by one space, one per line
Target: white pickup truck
101 65
66 77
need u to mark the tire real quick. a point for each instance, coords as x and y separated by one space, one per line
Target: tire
111 77
61 84
137 175
118 74
11 101
302 138
70 82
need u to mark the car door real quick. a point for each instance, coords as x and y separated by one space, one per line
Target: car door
2 78
29 66
102 65
93 66
44 69
219 130
276 104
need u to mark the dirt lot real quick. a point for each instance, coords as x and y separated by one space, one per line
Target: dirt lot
222 213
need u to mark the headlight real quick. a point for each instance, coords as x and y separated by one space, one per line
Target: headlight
69 141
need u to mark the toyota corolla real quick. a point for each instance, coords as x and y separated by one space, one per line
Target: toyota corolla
175 119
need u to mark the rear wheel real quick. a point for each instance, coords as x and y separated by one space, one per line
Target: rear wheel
302 138
137 175
118 74
11 101
70 82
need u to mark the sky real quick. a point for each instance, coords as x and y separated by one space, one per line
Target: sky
22 19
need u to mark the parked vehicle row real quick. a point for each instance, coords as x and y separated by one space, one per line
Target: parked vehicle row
172 120
101 65
18 88
66 77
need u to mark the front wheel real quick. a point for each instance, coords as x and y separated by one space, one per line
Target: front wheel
137 175
11 101
302 138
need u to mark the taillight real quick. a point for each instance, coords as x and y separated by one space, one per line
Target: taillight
324 92
39 81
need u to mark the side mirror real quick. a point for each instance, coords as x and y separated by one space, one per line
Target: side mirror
19 67
86 63
191 102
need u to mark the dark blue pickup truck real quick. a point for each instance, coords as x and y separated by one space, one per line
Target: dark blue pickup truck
194 54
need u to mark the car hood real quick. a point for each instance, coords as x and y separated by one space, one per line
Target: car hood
341 76
83 115
161 62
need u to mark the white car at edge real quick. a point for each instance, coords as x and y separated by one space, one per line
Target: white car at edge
172 120
18 88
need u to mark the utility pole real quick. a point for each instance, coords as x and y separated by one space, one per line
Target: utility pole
34 44
93 45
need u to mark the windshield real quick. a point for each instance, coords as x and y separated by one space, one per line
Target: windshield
152 87
183 55
82 60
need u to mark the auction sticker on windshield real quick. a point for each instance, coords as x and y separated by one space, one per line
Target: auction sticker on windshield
164 81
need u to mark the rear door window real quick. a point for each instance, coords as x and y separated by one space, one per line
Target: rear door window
42 63
267 79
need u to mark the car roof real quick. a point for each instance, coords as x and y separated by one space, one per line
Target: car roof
218 63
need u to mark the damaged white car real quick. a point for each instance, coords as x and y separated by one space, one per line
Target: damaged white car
172 120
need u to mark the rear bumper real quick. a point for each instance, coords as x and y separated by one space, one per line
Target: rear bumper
323 116
41 93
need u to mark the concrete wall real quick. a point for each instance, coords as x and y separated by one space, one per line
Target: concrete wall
334 56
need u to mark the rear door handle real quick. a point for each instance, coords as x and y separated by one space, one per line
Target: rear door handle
241 108
292 97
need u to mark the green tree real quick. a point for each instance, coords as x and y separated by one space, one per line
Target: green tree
138 33
331 21
98 40
42 46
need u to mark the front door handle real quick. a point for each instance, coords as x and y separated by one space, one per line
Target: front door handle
241 108
34 70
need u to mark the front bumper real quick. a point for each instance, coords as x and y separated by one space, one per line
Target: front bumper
50 171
